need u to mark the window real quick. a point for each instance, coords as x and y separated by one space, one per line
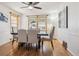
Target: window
42 23
32 22
38 22
13 22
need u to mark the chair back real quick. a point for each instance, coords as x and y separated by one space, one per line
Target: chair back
32 36
52 33
22 35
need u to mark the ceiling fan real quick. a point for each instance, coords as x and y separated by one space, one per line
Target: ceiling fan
31 5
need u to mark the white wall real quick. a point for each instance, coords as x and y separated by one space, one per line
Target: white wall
71 35
52 21
5 27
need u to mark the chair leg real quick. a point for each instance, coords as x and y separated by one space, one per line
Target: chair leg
13 41
28 46
42 44
52 44
19 46
36 46
16 39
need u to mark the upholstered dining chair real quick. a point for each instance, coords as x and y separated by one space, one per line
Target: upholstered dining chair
14 34
32 37
22 37
49 37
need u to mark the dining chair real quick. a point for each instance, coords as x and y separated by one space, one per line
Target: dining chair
48 38
32 37
22 37
14 34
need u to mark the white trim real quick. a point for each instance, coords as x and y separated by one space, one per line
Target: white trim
72 54
4 42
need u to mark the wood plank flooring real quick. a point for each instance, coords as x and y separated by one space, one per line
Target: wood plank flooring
9 50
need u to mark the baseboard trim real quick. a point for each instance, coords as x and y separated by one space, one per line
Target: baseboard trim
70 52
4 43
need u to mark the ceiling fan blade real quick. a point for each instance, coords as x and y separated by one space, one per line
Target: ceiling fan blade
37 7
35 3
24 7
25 3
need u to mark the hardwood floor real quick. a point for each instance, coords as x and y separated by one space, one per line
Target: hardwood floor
47 50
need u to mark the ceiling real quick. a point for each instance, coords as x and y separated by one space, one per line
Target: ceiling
47 7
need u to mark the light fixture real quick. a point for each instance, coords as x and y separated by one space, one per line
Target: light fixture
30 7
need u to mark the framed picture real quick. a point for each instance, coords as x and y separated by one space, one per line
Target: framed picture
3 18
63 18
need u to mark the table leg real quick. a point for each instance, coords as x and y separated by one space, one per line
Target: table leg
39 44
